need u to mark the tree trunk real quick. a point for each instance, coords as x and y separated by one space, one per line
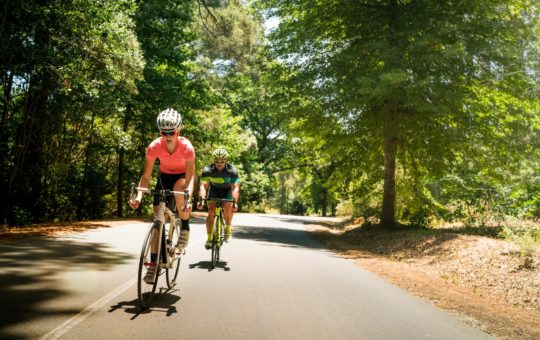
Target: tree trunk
25 178
388 213
121 157
8 86
81 201
283 195
120 184
324 203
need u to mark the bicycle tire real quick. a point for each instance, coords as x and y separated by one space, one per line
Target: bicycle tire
215 242
145 291
172 273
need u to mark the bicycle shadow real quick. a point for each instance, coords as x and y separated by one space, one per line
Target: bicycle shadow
163 302
208 265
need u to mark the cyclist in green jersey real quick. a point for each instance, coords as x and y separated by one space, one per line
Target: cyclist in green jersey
220 180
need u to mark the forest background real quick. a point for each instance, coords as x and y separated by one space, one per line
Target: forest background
397 111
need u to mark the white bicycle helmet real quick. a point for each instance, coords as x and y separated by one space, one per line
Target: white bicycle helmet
220 153
169 120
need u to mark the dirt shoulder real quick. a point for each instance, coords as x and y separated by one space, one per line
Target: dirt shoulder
8 234
483 281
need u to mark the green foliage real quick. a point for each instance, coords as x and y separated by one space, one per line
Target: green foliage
427 84
65 65
448 90
219 128
233 60
256 188
528 239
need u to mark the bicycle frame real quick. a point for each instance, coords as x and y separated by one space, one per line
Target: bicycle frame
218 229
162 215
220 222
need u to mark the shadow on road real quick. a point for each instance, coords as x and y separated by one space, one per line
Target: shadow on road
29 278
208 265
286 237
163 302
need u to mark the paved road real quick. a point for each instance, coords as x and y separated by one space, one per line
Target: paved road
276 283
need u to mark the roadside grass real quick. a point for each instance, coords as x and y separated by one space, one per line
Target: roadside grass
524 233
528 239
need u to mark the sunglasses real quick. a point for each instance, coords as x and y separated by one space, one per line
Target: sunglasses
163 133
219 162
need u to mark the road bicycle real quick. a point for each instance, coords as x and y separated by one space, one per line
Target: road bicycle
218 229
161 238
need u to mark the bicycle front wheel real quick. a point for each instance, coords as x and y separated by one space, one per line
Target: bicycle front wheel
215 241
171 273
146 290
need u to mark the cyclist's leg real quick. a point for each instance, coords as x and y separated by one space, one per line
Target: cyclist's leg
180 185
152 267
154 237
227 212
209 223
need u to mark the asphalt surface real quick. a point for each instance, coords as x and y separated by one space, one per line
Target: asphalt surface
275 282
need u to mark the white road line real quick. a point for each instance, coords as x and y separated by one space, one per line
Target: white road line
76 319
73 321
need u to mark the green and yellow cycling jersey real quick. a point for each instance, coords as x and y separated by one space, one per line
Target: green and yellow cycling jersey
220 179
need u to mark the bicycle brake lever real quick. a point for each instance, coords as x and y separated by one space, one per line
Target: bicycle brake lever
186 199
132 190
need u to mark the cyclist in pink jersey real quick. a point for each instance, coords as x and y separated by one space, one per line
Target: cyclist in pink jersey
176 172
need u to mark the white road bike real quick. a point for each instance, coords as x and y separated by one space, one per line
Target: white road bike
160 239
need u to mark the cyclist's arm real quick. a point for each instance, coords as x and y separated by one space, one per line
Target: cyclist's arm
203 188
146 177
235 191
190 170
143 183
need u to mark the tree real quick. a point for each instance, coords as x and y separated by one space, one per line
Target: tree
170 80
59 62
242 75
405 80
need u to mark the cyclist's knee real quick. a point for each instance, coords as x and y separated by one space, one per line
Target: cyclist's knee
183 214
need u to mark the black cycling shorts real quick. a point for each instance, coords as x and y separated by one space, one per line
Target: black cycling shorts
167 181
219 193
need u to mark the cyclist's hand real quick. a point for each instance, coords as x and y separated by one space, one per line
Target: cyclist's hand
188 206
200 205
134 203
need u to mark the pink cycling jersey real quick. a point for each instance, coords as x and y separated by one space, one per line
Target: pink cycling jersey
174 163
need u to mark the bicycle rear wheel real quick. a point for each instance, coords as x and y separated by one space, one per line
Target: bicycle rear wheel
215 241
145 291
172 273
